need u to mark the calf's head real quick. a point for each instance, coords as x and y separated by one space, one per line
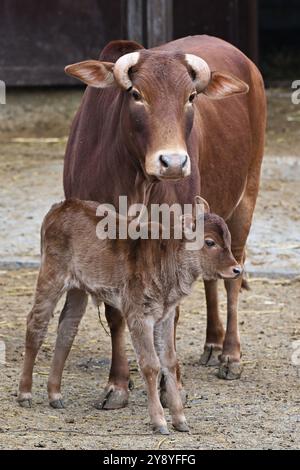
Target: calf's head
215 256
159 90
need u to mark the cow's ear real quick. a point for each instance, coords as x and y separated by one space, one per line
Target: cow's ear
223 85
93 72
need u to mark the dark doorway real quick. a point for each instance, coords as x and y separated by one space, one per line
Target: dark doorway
279 39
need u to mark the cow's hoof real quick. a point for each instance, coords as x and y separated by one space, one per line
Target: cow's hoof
57 404
25 400
164 397
211 355
181 427
112 398
161 430
229 370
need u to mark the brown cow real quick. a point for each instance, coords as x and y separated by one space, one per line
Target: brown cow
160 113
144 279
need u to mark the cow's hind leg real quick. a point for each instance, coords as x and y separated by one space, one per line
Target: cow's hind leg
116 392
69 320
163 390
214 330
48 291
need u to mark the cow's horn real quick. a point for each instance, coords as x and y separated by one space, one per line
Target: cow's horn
122 67
201 70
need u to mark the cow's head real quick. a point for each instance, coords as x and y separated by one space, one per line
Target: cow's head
160 89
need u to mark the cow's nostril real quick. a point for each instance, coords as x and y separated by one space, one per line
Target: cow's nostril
184 162
164 160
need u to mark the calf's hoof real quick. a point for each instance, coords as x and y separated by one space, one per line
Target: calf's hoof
25 400
161 430
211 355
112 398
229 370
164 397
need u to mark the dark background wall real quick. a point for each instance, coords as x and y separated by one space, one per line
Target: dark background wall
39 37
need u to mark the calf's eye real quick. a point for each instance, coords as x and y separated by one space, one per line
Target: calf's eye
209 243
192 96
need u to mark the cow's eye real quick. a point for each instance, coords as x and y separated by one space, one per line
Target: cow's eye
192 96
136 95
209 242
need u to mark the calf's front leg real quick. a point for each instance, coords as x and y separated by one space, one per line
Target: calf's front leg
164 345
163 390
141 330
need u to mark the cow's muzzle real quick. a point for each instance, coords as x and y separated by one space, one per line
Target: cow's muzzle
168 165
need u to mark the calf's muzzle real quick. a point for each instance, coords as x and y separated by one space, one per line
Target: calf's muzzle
232 272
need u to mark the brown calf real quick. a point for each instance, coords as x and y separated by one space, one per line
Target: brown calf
143 279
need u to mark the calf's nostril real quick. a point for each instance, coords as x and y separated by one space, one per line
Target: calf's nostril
164 161
237 270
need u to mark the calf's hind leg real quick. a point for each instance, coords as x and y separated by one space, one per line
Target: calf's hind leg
48 292
69 320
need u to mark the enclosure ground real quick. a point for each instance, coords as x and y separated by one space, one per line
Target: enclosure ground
261 410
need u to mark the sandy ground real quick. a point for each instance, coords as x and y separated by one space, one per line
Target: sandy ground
261 410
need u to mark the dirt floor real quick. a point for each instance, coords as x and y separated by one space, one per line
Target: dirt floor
261 410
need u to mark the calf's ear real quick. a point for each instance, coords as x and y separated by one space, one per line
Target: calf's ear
224 85
200 201
93 72
188 225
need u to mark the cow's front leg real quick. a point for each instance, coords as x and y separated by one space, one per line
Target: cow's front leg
214 330
239 226
141 331
231 367
163 390
116 392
